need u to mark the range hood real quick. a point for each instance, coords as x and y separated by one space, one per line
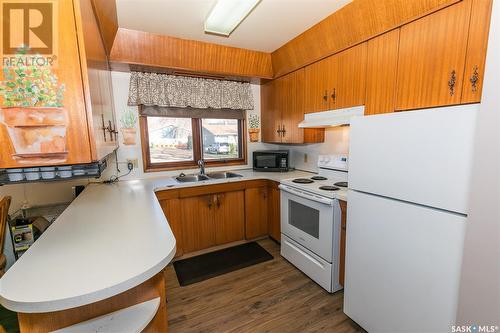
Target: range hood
331 118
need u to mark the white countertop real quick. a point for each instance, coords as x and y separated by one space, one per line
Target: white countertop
110 239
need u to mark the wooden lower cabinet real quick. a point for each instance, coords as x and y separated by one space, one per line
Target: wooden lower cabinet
343 225
274 212
229 214
172 210
256 214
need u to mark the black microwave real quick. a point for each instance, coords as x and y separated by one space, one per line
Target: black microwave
271 160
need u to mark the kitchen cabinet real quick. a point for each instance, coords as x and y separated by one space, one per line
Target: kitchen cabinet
476 51
381 73
256 212
432 53
274 212
282 104
66 129
338 81
172 210
212 219
343 226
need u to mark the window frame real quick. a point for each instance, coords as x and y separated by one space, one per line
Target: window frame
196 124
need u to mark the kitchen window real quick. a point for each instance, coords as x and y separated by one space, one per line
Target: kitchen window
170 143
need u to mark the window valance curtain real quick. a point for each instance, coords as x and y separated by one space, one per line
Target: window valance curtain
158 91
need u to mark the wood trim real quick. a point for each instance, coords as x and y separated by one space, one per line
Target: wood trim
343 226
336 32
140 48
197 150
50 321
107 19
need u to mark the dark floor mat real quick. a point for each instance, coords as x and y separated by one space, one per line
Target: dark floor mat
220 262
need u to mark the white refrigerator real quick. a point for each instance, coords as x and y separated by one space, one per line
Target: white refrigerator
409 178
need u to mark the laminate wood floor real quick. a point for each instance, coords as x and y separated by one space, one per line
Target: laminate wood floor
269 297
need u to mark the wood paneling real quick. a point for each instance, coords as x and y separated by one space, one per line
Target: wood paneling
350 80
343 226
274 212
381 73
148 49
67 70
108 21
269 297
431 57
356 22
476 50
172 210
229 217
256 212
50 321
198 222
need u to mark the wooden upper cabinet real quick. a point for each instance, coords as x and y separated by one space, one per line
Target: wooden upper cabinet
270 115
282 109
42 134
476 51
317 78
256 212
381 73
349 84
432 58
337 81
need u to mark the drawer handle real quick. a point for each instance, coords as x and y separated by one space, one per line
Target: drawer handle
452 82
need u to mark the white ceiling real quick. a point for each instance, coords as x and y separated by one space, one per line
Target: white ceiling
270 25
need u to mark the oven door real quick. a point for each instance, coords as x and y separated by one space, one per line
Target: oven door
308 219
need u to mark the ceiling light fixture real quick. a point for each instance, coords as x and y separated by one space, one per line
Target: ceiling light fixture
227 15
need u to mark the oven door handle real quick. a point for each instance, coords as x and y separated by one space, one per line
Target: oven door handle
316 198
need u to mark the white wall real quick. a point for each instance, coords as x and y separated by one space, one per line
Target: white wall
336 142
479 302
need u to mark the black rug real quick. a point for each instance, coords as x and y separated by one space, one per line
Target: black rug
220 262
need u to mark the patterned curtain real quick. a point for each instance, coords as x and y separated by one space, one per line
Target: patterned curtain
152 89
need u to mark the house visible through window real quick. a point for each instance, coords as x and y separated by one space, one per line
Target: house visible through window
174 143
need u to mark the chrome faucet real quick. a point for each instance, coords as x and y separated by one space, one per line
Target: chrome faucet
201 164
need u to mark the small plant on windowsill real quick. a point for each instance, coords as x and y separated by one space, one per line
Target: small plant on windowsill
128 121
253 127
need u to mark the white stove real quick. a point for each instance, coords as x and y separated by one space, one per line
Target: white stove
334 169
311 219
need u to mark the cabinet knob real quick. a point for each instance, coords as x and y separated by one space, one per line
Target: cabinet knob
283 130
452 82
325 96
334 95
474 79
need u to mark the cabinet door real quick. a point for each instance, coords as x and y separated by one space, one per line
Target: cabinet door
229 217
274 211
381 73
270 114
476 51
47 135
343 226
256 201
172 210
198 224
350 79
432 58
316 93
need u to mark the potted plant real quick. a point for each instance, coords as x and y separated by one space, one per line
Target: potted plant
128 121
254 127
32 110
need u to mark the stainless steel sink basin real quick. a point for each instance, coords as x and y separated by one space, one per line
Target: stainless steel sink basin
191 178
223 175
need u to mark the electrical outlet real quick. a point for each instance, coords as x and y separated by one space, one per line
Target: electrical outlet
305 158
134 161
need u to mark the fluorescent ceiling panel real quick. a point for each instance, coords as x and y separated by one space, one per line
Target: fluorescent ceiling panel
227 15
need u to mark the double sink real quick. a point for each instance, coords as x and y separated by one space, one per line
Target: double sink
199 178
